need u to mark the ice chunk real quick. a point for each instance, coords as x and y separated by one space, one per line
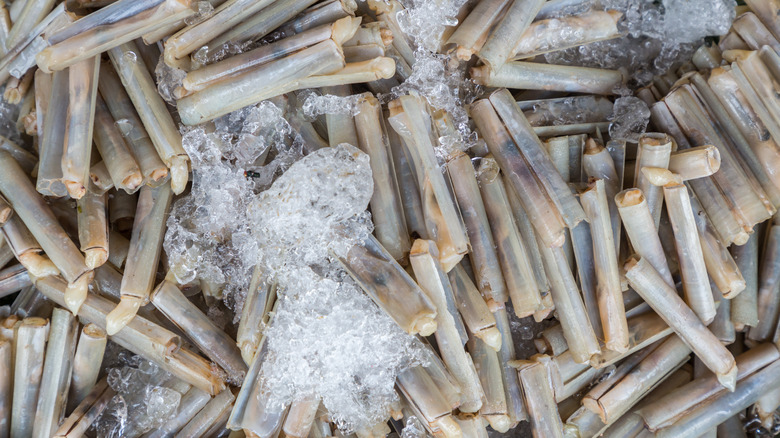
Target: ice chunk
141 402
568 110
629 119
161 405
413 428
315 105
687 21
168 79
203 10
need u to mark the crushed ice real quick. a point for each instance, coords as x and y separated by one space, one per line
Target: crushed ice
629 119
327 338
143 400
208 237
659 36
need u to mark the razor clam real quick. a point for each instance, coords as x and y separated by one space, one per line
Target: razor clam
690 252
502 41
22 245
744 307
86 364
119 161
512 252
77 147
692 163
56 376
109 29
541 212
768 276
494 408
641 230
131 127
536 76
721 267
654 151
36 215
753 32
390 226
471 33
301 416
217 345
14 279
31 13
260 297
6 383
608 291
214 414
665 301
274 78
411 121
450 333
317 15
87 412
577 327
260 24
534 153
29 346
93 228
420 390
153 113
539 399
484 258
199 79
143 255
767 12
391 287
514 398
52 138
553 34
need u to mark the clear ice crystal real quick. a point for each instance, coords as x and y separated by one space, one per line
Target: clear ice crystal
141 402
629 119
315 105
113 421
569 110
168 80
203 10
413 428
161 404
327 338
